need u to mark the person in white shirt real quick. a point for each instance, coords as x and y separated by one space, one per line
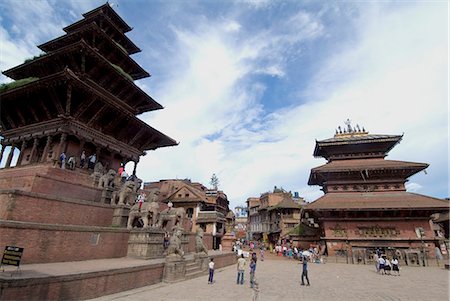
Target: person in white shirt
395 268
240 269
387 266
211 271
381 263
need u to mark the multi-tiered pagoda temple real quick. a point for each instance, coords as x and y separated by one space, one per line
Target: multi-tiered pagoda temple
366 205
80 95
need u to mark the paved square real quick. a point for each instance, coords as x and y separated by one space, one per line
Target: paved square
279 279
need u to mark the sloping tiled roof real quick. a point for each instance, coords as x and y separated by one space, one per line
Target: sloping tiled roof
361 164
286 203
360 138
379 200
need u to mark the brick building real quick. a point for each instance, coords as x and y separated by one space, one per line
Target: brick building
272 216
205 208
366 205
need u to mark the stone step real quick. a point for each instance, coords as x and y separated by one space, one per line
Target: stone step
192 269
195 274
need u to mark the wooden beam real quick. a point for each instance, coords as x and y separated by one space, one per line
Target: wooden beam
84 107
96 115
33 113
136 136
56 100
44 107
22 119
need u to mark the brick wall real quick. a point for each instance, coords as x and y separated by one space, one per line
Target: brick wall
57 243
34 207
81 287
91 285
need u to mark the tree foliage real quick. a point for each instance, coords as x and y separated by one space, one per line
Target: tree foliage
214 181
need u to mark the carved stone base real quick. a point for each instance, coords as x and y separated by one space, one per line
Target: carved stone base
202 259
174 269
146 243
106 195
120 216
227 242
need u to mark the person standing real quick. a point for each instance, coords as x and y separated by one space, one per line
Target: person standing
211 271
240 269
82 159
92 161
62 158
381 262
252 271
395 265
305 271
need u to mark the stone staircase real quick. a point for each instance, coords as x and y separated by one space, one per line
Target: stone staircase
193 269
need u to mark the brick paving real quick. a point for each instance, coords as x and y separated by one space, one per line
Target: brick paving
279 279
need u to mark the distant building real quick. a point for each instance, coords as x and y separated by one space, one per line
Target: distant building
366 206
272 216
204 207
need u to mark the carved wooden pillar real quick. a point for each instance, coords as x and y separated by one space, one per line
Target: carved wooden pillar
47 145
68 99
82 142
61 144
97 152
33 149
10 156
135 166
22 149
2 151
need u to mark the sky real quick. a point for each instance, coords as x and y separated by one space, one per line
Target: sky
249 86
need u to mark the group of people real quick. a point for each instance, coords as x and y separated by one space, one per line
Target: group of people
71 162
384 265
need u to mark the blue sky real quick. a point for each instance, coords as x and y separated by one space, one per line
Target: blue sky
248 86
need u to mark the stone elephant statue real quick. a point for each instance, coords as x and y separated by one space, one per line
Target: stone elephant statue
107 180
172 217
149 214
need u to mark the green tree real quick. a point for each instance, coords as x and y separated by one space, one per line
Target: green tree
214 181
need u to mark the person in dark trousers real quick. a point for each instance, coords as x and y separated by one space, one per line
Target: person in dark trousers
305 270
211 272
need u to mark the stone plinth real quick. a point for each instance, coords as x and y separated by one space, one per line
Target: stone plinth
106 195
202 259
227 242
174 269
120 216
146 243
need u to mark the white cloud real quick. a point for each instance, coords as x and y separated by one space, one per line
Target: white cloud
389 79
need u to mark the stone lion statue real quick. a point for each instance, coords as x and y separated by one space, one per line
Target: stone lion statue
98 167
199 244
175 243
149 214
126 194
107 180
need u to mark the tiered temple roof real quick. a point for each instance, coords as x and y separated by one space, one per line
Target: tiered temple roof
81 89
357 177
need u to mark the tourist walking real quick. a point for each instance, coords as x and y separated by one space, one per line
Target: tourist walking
240 270
261 253
252 271
211 271
395 267
305 270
